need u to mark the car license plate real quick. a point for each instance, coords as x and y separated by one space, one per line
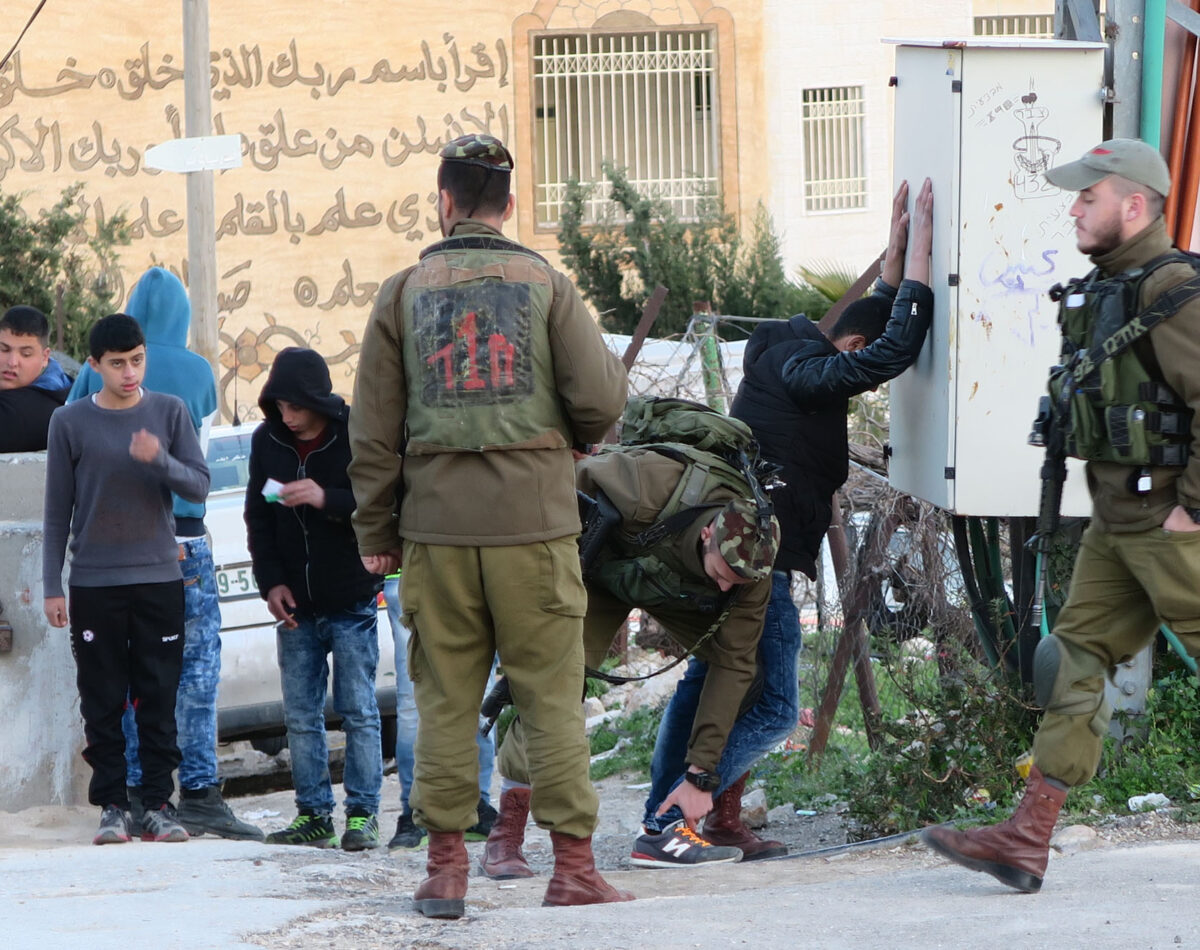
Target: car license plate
236 582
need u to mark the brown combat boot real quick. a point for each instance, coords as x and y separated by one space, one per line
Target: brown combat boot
502 859
443 892
1015 851
575 880
724 826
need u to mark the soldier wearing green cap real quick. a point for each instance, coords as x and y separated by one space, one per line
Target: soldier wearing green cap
480 368
1134 416
707 581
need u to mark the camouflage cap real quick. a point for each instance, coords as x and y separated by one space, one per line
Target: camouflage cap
746 546
486 151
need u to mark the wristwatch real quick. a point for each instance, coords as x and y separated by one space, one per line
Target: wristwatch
705 781
1194 514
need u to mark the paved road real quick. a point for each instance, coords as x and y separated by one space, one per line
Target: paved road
218 894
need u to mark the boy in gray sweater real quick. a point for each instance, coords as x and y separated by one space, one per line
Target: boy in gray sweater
112 462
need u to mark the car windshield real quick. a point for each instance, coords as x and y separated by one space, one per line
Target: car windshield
229 461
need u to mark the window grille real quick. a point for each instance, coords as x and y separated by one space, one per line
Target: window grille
643 102
1037 25
835 165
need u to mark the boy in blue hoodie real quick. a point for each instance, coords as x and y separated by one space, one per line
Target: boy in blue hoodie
32 383
159 303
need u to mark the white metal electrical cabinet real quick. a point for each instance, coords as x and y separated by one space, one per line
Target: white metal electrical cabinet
984 120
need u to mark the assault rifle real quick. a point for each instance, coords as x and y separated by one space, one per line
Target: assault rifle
1048 431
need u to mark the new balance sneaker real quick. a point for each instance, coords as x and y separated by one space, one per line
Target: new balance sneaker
316 831
114 826
486 816
677 846
408 835
362 831
162 824
204 810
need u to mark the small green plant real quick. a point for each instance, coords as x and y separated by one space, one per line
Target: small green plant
618 262
53 263
1159 751
639 729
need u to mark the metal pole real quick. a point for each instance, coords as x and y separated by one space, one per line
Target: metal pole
201 218
1126 19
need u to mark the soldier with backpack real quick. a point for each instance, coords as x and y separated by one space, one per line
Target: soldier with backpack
692 543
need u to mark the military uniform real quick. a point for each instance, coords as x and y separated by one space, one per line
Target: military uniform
639 483
1130 572
481 367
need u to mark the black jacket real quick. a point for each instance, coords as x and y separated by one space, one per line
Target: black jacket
313 551
795 395
25 417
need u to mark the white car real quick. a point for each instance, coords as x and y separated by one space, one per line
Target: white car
249 702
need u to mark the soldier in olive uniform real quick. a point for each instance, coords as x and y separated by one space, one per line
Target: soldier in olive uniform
1135 417
480 368
707 580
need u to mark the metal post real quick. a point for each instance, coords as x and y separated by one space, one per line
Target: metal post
201 218
1126 19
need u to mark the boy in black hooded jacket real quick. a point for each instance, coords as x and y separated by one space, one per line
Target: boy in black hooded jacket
306 563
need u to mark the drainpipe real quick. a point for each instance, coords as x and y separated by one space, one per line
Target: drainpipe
1152 71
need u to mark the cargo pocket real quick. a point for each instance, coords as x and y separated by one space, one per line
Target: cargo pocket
1173 589
561 588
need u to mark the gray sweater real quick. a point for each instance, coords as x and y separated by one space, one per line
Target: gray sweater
117 509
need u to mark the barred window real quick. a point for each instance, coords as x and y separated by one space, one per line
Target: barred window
835 164
642 101
1039 25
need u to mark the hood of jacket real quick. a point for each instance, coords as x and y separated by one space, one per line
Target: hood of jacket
53 379
160 304
301 376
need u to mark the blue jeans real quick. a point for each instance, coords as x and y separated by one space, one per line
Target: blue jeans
764 725
196 701
350 635
406 709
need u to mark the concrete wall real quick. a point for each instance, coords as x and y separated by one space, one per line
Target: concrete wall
42 738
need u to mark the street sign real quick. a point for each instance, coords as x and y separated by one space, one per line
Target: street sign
199 154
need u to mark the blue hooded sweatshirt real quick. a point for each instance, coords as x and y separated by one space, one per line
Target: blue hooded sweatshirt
159 303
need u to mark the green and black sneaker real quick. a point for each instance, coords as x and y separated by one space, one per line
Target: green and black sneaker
316 831
362 831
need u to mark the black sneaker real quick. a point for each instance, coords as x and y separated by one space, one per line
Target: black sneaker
114 826
677 846
362 831
162 824
204 810
408 836
486 816
135 804
316 831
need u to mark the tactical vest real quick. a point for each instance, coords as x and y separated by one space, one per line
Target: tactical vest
647 568
477 358
1118 411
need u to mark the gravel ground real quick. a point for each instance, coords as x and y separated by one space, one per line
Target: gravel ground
374 889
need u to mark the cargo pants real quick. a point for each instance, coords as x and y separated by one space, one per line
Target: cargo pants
526 603
1122 588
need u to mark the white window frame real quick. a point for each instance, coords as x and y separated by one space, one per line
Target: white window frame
599 97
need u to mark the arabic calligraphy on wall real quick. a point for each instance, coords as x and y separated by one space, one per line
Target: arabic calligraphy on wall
348 133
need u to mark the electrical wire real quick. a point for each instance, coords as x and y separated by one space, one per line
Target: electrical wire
21 35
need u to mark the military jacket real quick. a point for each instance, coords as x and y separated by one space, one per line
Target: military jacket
464 417
640 483
1171 353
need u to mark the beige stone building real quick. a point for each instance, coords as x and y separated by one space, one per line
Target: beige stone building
342 106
